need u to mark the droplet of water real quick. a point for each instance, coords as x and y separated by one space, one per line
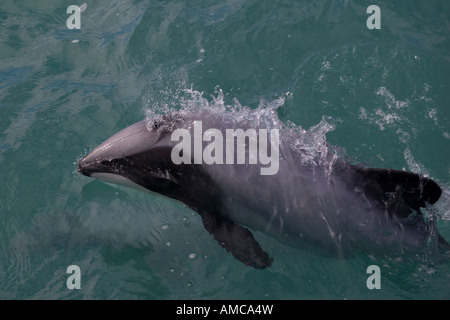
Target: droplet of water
192 255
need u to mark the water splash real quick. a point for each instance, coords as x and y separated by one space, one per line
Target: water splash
190 100
78 158
390 99
311 144
413 165
443 205
316 139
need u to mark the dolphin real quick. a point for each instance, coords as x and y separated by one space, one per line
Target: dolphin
316 196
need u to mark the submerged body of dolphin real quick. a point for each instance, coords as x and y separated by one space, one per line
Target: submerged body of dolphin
313 197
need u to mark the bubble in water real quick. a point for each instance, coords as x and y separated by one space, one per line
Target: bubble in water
192 255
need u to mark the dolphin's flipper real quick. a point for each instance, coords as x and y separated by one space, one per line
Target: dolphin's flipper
237 240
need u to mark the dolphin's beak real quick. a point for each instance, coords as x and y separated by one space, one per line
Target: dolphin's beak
132 140
83 167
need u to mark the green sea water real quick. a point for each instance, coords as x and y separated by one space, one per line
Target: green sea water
63 91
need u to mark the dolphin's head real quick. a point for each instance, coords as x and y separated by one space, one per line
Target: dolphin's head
138 156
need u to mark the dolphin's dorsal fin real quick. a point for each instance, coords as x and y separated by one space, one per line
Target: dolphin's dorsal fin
236 239
416 190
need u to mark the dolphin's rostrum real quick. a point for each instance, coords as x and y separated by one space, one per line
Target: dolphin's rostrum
317 198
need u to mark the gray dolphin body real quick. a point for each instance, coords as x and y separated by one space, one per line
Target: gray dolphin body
326 201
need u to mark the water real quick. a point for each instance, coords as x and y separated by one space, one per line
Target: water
62 92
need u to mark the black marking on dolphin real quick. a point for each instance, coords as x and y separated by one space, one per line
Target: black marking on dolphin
331 203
